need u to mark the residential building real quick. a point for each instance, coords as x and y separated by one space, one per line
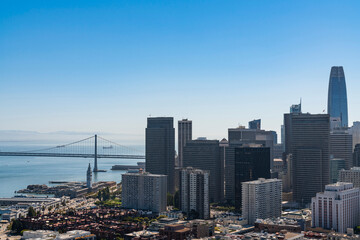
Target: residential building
337 97
194 193
160 148
205 155
337 207
184 135
144 191
261 199
175 231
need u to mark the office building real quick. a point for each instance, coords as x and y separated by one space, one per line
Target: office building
144 191
356 156
184 135
160 148
355 132
336 164
296 108
89 177
351 176
194 193
308 140
341 146
337 207
255 124
337 98
261 199
251 163
205 155
241 137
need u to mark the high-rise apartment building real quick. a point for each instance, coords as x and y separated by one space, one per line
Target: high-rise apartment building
341 146
144 191
337 207
184 135
337 98
251 163
255 124
205 155
194 193
261 199
351 176
160 148
308 140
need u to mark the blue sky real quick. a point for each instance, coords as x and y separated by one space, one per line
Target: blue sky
104 66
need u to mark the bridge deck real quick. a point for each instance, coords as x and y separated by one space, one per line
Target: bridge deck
73 155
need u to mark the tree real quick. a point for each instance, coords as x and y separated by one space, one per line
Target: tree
31 212
99 196
16 226
170 199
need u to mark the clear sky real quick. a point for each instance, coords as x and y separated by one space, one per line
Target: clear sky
104 66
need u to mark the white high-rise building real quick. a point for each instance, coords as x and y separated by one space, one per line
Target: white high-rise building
261 199
337 207
194 192
144 191
350 176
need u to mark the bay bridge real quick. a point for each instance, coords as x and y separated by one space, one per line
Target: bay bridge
92 147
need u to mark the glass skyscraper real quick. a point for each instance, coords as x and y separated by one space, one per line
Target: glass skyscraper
337 99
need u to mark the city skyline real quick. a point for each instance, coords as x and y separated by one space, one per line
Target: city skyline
68 61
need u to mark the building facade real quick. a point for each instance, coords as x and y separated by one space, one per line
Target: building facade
351 176
144 191
184 135
337 97
160 148
255 124
337 207
341 146
251 163
356 156
205 155
336 164
89 177
194 193
261 199
308 141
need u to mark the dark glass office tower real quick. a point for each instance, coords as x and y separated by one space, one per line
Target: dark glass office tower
184 135
205 155
337 98
309 144
255 124
251 163
160 148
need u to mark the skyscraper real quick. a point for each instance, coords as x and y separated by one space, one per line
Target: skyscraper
184 134
261 199
251 163
145 191
255 124
194 192
160 148
337 98
309 138
205 155
341 146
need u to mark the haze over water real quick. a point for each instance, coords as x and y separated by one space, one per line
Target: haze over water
18 172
